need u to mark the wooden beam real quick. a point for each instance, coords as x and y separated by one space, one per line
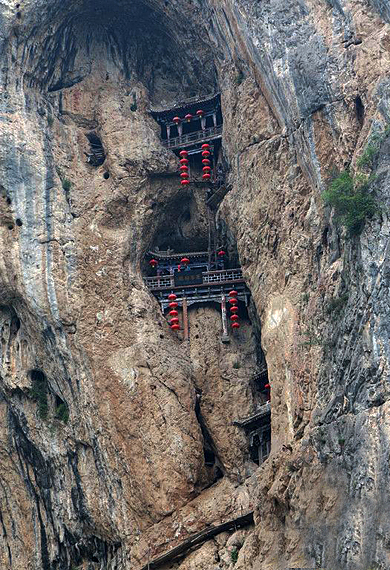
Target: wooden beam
225 333
198 539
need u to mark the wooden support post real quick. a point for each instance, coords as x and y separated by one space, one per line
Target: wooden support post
168 132
185 319
225 334
215 119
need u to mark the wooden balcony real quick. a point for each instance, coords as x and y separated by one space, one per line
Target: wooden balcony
193 138
223 276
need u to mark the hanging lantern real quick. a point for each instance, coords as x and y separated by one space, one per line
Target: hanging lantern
205 146
184 175
206 169
188 117
234 309
176 120
185 181
200 113
173 313
174 321
233 301
153 263
185 261
221 253
206 176
184 161
268 388
206 153
235 325
172 297
233 294
173 305
175 327
183 168
206 162
183 153
234 318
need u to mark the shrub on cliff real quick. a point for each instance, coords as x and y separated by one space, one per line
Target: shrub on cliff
349 197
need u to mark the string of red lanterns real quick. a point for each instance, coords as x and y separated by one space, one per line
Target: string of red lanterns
234 310
206 161
184 174
173 313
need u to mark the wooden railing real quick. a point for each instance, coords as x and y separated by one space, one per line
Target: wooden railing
209 278
192 138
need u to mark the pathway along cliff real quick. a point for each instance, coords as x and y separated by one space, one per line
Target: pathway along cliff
194 343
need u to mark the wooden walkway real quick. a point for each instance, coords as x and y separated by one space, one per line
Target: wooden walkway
197 540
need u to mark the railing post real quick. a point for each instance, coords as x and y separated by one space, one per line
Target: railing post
185 319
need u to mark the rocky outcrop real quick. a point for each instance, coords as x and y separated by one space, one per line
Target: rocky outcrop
106 414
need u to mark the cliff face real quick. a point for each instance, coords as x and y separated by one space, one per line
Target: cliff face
105 413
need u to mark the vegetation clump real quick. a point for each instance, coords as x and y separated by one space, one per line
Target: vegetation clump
66 184
348 193
39 392
62 413
349 197
234 554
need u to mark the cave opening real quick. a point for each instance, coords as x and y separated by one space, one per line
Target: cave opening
359 109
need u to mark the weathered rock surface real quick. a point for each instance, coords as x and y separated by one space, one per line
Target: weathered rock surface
304 84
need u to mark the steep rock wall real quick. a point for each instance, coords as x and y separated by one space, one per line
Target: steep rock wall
124 478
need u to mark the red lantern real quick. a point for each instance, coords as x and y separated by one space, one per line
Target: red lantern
235 325
174 321
233 294
173 305
200 113
184 161
206 162
234 309
153 263
188 117
221 253
184 175
206 169
233 301
206 176
183 168
173 313
185 181
205 146
206 153
185 261
175 327
234 318
176 120
172 297
183 153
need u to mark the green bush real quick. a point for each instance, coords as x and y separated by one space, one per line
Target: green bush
234 554
236 365
336 305
66 184
351 201
62 413
39 394
369 154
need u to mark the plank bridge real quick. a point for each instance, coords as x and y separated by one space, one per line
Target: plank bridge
197 539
